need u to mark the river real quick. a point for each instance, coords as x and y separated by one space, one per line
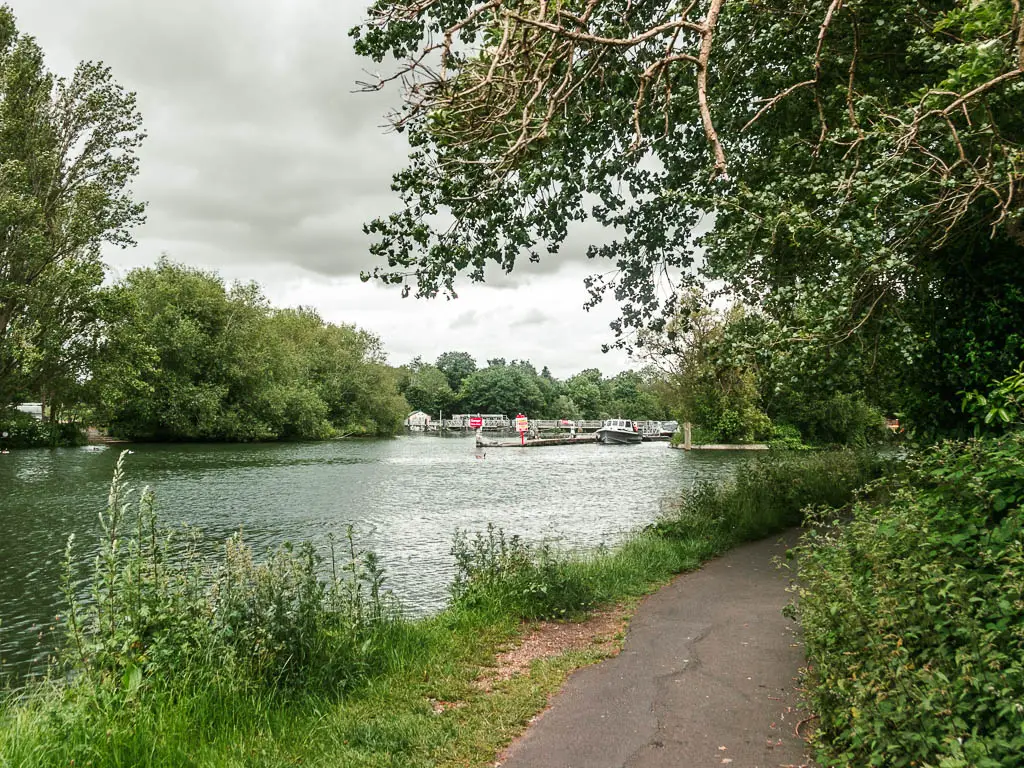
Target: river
404 496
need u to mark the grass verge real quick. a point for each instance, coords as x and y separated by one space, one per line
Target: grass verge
265 665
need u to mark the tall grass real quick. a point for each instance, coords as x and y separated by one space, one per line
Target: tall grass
173 661
506 576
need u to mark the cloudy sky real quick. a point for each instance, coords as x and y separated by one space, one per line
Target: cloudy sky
263 163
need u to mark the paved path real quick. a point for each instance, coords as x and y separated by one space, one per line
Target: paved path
706 678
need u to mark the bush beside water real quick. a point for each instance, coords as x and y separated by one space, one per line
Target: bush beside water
26 431
913 614
173 661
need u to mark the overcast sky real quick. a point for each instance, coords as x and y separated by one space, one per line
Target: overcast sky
261 162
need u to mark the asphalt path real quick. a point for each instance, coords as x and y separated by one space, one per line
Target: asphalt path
707 677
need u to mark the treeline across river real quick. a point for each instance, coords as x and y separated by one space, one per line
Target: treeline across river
181 356
175 353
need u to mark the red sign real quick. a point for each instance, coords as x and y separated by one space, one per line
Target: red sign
522 423
475 422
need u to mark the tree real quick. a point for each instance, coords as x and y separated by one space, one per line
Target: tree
227 366
456 366
842 155
503 389
584 389
428 390
633 398
565 408
67 156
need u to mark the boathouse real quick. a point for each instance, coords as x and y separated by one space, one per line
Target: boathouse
418 421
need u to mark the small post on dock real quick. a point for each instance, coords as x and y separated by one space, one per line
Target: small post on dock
687 441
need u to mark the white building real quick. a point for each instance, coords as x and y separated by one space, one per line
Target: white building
418 421
33 409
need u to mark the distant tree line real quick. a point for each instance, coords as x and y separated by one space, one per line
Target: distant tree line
454 384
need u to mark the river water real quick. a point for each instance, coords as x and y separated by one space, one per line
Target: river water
405 497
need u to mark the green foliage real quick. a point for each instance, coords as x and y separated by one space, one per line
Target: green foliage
456 366
1002 407
704 383
869 209
219 363
67 157
427 390
25 431
838 419
726 374
506 389
786 438
973 314
770 494
509 576
913 614
156 606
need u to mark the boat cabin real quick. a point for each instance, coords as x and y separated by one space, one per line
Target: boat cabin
620 424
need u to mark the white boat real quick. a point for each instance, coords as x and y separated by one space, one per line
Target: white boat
619 431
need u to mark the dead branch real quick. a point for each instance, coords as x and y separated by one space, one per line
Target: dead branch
833 7
499 100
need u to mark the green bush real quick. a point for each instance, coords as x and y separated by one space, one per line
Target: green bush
913 615
769 494
786 437
841 419
512 577
26 431
155 607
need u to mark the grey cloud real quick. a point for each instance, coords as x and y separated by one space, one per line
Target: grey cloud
258 147
465 320
532 317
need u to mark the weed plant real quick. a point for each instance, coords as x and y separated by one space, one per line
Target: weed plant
287 660
156 607
913 614
501 574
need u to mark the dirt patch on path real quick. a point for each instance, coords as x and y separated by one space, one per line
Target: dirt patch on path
602 631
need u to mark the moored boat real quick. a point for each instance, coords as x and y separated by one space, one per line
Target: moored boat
619 431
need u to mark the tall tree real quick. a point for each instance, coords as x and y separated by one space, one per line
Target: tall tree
67 156
503 389
428 390
585 391
456 366
833 160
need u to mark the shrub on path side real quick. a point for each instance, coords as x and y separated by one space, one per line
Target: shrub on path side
913 615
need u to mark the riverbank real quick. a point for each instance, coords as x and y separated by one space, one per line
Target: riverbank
396 692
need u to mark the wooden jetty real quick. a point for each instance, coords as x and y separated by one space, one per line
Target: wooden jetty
723 447
537 442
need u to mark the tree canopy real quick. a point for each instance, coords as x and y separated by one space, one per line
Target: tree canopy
836 165
67 156
224 365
